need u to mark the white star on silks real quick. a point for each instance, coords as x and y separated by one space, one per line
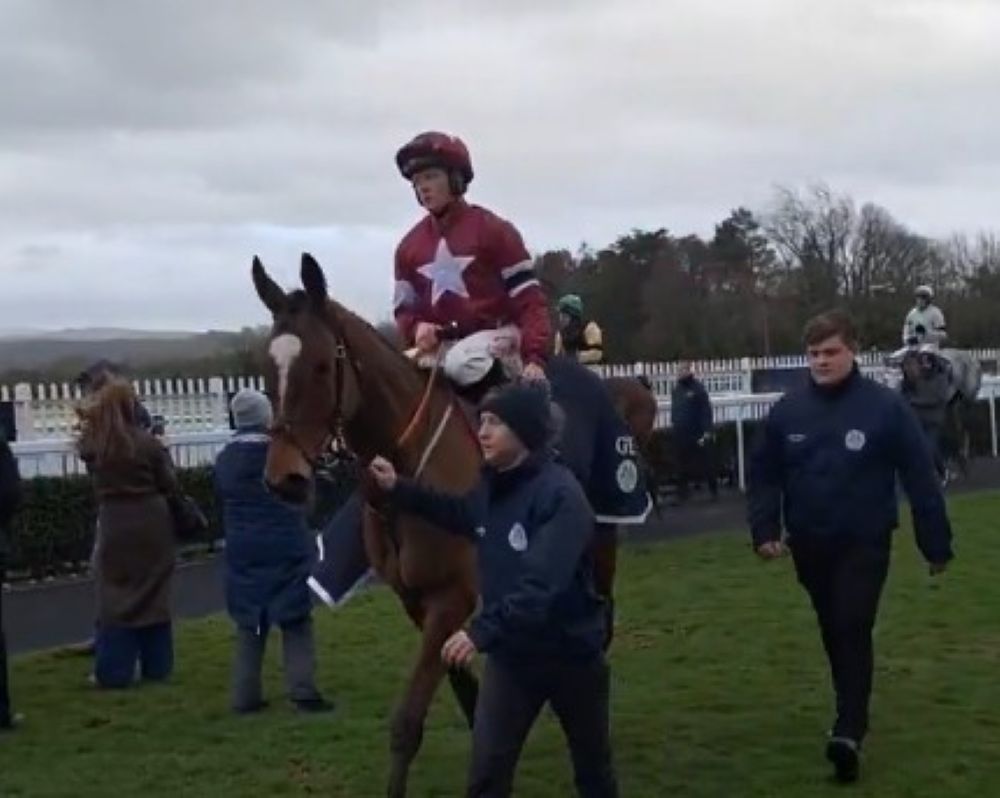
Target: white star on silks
445 272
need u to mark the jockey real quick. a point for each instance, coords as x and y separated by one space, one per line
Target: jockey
577 336
924 324
464 272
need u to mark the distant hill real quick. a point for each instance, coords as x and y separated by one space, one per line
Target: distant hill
95 334
60 355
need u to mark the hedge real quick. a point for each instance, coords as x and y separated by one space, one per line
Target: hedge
53 532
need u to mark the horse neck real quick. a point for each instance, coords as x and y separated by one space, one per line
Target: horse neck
390 392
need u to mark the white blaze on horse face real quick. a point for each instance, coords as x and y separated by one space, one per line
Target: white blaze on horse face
284 349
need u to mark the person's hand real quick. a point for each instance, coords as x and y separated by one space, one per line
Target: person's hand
426 337
533 372
458 650
937 568
383 473
772 550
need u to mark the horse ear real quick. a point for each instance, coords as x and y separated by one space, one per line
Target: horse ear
314 281
270 292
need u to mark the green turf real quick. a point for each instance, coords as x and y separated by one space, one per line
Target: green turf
719 690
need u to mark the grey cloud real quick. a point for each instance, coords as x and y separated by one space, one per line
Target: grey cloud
243 125
104 64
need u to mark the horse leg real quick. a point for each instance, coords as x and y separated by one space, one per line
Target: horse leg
955 439
605 554
464 683
441 616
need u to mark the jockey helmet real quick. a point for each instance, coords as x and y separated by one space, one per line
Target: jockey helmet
435 150
571 305
924 291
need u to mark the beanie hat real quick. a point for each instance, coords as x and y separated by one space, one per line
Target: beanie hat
251 409
525 409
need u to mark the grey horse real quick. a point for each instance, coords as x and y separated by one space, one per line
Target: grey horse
964 377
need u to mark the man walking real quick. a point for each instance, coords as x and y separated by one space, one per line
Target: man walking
691 420
826 467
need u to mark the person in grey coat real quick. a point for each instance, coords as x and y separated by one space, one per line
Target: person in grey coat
267 565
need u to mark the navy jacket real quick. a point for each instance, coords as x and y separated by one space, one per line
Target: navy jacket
690 410
533 526
267 541
828 459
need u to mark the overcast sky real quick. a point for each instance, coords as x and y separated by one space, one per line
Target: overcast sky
149 149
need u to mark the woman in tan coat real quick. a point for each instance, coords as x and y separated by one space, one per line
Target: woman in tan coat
135 557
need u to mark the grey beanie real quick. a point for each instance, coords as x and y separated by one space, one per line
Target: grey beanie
251 409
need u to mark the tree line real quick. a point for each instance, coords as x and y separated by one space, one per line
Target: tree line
750 288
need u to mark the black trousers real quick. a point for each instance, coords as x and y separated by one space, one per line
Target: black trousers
5 713
844 581
935 439
695 462
510 699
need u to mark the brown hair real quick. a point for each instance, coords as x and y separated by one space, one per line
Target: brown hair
108 423
833 323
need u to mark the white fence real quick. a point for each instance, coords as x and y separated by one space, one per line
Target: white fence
57 456
197 415
187 405
735 375
743 408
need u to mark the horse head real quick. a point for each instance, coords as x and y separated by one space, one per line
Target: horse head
311 378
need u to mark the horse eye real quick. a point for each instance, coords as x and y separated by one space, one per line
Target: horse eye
322 369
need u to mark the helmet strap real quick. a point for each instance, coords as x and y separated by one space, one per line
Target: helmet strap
456 183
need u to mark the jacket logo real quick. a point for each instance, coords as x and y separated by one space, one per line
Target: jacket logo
480 531
796 437
625 446
518 538
855 440
627 476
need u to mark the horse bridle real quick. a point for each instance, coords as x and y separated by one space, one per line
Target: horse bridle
335 423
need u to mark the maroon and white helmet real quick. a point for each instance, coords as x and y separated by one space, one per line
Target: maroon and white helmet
432 150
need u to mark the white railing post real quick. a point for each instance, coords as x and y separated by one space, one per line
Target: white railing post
993 422
24 416
219 408
746 376
741 454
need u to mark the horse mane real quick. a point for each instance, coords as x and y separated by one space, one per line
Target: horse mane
355 328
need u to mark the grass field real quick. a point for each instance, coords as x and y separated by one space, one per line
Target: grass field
719 690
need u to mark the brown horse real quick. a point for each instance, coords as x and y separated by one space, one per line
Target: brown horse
333 376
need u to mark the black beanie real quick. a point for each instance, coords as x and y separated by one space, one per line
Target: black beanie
525 409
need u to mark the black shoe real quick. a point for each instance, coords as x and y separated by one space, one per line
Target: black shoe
313 705
843 753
